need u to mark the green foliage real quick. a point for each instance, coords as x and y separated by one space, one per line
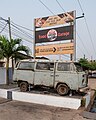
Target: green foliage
10 49
87 65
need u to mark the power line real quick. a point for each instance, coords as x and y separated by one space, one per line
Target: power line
87 27
17 35
22 31
65 11
81 50
60 6
82 43
2 23
3 28
89 35
22 26
85 20
52 12
80 6
46 6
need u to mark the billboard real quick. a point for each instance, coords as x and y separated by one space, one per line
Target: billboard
53 49
55 20
54 34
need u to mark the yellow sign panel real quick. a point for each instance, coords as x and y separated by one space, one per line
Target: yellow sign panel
66 48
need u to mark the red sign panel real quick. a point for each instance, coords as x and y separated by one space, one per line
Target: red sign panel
54 34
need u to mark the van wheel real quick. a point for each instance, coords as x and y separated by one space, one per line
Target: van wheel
62 89
23 86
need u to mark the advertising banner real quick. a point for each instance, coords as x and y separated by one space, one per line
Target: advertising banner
55 20
54 34
65 48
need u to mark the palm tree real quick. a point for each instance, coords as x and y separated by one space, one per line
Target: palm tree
9 49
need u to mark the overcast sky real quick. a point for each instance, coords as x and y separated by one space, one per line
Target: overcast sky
23 12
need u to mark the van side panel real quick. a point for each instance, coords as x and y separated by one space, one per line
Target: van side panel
69 78
25 75
44 78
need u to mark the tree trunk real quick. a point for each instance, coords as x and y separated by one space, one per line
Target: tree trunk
12 65
7 72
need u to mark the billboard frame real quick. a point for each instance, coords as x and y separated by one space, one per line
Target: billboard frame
72 56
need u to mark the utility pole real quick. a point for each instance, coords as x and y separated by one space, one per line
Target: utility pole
8 21
71 55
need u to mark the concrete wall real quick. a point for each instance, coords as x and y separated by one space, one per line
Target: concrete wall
2 75
57 101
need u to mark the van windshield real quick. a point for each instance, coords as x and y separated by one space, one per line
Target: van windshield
78 67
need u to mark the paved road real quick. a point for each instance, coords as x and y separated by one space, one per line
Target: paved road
15 110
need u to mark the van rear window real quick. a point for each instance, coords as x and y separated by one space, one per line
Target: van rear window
26 65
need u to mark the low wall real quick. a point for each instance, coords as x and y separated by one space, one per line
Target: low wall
56 101
2 75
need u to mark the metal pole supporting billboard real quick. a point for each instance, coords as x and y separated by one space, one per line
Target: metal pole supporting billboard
34 41
72 55
74 36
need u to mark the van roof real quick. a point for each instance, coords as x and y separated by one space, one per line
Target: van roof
44 60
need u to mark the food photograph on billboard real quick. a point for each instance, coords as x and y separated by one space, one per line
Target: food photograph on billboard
54 20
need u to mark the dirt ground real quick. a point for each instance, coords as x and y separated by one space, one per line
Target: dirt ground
15 110
92 83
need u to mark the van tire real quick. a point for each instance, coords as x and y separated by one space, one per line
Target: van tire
23 86
62 89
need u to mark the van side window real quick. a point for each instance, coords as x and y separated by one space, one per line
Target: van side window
42 66
63 67
26 65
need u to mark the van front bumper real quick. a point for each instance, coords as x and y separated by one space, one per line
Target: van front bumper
84 89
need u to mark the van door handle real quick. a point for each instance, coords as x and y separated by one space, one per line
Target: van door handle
52 75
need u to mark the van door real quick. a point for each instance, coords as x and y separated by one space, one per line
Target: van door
64 75
25 72
44 74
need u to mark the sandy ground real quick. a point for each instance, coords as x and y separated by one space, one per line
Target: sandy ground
92 83
15 110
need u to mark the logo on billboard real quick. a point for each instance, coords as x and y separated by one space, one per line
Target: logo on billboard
55 34
52 34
